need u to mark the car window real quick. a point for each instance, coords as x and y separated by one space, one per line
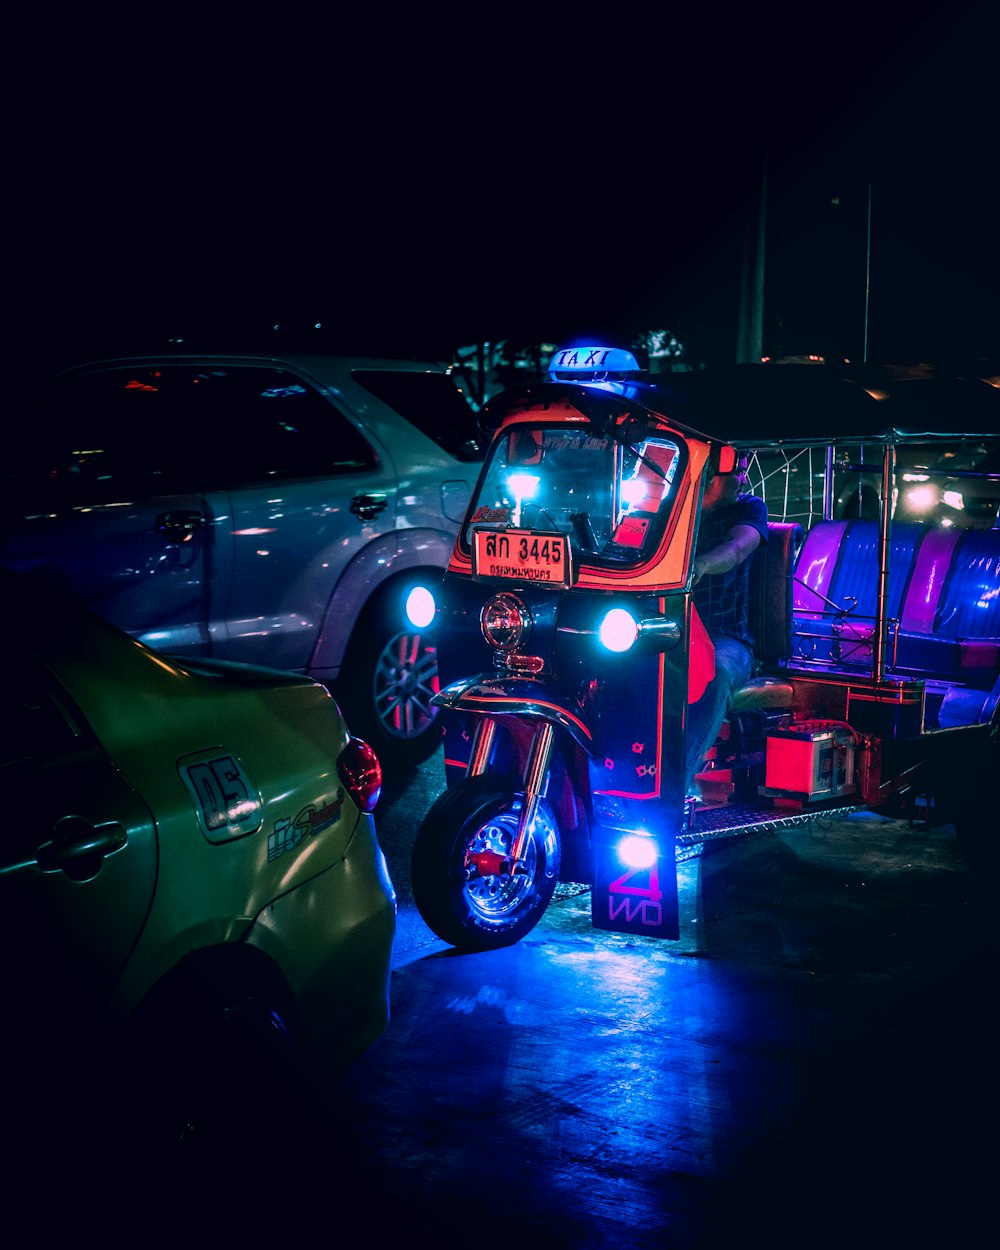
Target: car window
161 429
430 401
33 721
277 427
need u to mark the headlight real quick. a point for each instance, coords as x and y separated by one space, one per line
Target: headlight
619 630
505 622
420 607
922 498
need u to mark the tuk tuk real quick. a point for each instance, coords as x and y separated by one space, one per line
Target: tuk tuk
570 649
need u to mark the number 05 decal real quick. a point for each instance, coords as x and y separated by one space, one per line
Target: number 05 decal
228 806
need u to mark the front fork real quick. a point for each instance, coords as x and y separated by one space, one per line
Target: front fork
535 780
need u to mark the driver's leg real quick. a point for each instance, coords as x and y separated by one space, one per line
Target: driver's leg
733 664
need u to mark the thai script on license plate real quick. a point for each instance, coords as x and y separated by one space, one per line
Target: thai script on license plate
527 555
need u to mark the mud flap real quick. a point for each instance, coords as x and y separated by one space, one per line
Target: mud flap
635 883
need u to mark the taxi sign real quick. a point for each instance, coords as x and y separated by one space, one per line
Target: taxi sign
592 364
522 555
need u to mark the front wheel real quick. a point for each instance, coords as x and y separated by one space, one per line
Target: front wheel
389 677
464 884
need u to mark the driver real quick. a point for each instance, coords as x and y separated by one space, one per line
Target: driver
733 525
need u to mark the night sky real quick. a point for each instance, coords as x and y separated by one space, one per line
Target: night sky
418 183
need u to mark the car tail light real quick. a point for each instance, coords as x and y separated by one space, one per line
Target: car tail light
361 773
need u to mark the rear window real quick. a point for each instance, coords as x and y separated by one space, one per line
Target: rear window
431 402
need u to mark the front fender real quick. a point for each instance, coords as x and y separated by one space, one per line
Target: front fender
367 573
492 694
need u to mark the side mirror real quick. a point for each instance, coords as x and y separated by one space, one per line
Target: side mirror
524 447
632 432
723 458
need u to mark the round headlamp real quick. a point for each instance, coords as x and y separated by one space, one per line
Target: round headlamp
505 622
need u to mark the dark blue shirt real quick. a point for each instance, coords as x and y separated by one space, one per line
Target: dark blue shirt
722 598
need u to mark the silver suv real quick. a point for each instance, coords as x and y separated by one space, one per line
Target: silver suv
278 511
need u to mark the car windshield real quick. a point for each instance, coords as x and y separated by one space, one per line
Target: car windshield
610 499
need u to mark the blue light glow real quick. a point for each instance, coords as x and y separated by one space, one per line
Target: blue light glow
619 630
633 491
523 485
420 607
638 850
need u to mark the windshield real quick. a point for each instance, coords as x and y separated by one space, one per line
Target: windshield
611 500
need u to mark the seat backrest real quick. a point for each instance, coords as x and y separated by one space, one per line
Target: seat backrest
943 593
838 568
816 565
770 606
920 606
970 600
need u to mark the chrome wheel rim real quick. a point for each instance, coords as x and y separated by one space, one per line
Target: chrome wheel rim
406 677
495 897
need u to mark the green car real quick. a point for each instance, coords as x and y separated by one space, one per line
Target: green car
192 893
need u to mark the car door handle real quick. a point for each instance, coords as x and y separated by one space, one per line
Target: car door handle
179 527
75 839
367 507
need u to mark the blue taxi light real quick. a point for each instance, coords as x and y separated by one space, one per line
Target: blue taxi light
638 850
592 364
619 630
420 607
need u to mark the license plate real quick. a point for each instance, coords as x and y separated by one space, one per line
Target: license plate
522 555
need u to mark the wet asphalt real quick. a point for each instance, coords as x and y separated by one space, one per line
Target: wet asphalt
812 1064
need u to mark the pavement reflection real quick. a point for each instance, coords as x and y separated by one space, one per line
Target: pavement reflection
808 1063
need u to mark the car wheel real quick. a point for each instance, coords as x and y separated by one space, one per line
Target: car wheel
212 1051
462 883
387 681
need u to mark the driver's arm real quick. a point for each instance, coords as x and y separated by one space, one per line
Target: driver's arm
739 544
